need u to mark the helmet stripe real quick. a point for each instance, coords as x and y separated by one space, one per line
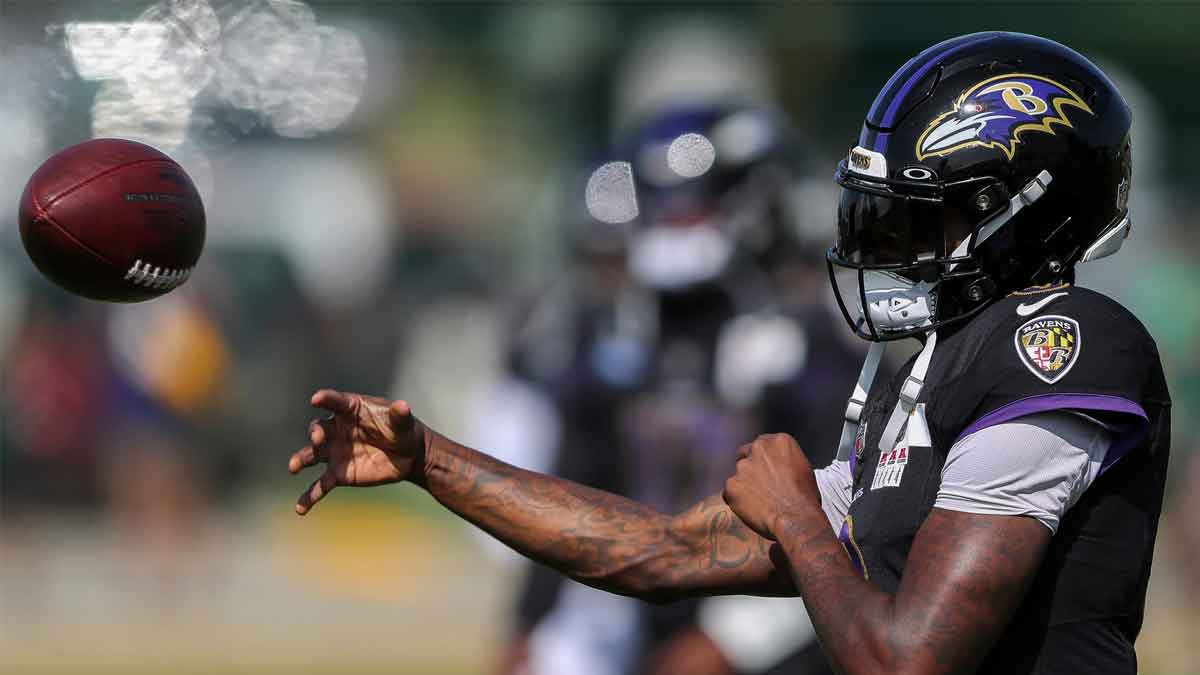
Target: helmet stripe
889 116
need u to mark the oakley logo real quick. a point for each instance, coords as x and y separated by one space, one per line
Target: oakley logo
917 173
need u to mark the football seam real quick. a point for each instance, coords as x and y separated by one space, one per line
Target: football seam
44 213
83 183
71 235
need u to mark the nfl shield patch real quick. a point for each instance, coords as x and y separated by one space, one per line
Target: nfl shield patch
1048 346
860 441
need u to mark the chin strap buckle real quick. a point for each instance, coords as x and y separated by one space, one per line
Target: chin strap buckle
854 410
910 391
858 399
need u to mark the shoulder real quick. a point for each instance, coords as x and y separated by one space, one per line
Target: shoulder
1060 347
1051 328
1082 304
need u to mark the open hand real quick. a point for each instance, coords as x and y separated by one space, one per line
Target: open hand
366 441
773 479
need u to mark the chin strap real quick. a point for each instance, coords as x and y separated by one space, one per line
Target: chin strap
906 405
858 399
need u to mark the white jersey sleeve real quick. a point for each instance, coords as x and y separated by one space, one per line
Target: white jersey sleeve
835 483
1036 466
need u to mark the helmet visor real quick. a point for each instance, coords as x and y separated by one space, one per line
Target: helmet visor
893 223
876 230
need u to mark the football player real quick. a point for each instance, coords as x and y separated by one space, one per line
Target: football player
697 351
993 507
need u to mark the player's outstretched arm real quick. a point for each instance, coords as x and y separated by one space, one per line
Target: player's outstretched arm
596 537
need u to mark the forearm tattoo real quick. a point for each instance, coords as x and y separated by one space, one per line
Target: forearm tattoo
602 539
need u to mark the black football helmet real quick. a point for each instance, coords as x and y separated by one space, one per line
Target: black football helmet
988 163
716 190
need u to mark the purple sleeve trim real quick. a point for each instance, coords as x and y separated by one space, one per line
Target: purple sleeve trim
1126 437
846 536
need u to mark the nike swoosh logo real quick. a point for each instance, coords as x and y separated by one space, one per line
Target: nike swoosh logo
1025 310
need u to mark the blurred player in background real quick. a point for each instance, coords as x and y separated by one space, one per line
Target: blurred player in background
713 349
681 333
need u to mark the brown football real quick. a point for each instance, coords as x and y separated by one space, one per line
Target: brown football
111 219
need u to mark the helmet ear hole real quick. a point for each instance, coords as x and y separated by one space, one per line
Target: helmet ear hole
978 291
988 200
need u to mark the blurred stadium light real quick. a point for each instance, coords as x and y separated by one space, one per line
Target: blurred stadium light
611 197
270 56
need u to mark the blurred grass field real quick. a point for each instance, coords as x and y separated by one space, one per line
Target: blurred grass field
361 586
282 668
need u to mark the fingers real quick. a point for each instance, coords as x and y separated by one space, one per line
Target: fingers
315 492
788 441
401 417
334 401
770 443
731 491
303 459
319 431
316 435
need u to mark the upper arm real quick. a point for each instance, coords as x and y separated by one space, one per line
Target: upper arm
1035 466
966 574
1004 490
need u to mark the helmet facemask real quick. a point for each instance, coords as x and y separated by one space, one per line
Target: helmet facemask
912 249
